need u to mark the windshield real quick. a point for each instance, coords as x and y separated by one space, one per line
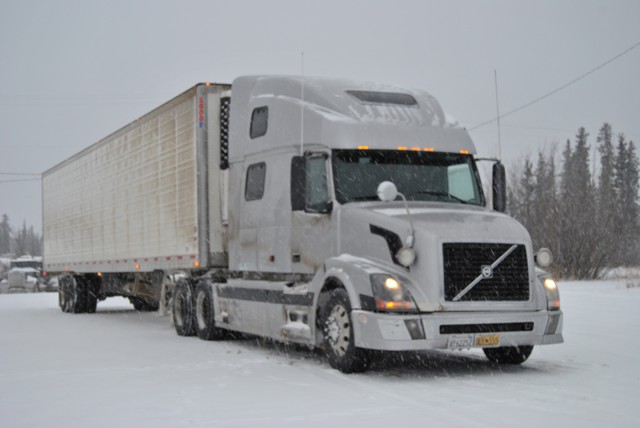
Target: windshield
420 176
26 264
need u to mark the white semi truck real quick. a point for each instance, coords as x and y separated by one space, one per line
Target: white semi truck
329 213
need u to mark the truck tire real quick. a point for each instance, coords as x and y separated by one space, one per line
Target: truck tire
337 333
92 284
184 319
78 294
205 313
508 354
63 294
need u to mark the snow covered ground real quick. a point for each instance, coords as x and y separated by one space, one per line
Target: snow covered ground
120 368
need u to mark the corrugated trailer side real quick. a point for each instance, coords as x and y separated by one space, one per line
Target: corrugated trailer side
137 200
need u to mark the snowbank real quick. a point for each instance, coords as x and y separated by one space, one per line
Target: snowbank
120 368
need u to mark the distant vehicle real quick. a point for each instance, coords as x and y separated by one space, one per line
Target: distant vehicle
26 275
328 213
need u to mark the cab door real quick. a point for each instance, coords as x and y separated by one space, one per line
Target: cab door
312 240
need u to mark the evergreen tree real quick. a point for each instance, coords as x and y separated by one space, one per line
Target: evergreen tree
5 235
606 198
625 182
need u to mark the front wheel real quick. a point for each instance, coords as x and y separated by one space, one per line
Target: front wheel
509 354
338 338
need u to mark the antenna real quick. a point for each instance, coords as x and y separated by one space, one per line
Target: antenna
495 78
302 103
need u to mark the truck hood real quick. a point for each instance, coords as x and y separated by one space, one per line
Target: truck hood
440 221
379 229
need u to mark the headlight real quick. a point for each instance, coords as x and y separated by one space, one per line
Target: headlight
551 289
390 295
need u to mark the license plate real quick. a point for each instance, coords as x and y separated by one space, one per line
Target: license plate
461 341
483 340
467 341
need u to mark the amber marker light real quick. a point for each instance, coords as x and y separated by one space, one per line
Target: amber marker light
403 148
137 266
464 152
100 274
196 264
363 147
429 149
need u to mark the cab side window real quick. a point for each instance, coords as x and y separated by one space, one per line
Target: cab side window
259 122
254 186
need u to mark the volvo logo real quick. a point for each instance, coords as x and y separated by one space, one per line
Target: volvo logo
487 271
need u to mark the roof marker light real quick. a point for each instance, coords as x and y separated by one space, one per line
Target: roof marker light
464 152
429 149
403 148
363 147
415 149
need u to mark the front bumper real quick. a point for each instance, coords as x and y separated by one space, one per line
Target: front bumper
395 332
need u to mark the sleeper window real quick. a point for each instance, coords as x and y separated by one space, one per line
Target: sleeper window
254 187
259 120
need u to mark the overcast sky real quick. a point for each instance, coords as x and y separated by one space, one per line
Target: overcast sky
72 72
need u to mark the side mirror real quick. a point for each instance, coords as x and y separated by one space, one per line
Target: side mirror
387 191
298 183
499 188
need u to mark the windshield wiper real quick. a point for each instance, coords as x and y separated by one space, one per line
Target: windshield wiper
364 198
444 195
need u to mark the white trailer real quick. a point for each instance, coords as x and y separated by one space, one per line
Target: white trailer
329 213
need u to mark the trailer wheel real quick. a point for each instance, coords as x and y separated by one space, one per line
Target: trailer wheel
63 294
184 308
205 314
78 288
92 285
338 337
509 354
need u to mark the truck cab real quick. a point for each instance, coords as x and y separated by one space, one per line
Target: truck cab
316 257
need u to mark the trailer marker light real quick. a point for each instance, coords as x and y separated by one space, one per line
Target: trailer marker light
429 149
363 147
196 264
100 274
403 148
464 152
415 149
137 266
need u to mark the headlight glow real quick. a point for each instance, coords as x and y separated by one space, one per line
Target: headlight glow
550 284
391 284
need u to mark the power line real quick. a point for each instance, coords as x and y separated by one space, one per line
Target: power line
19 180
548 94
20 173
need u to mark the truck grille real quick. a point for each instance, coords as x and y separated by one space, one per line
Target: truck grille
465 262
